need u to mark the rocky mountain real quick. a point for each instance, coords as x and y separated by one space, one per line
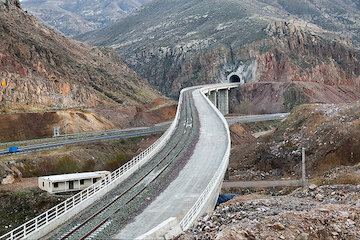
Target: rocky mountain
80 16
41 69
181 43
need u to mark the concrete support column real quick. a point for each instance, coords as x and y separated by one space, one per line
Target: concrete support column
223 101
212 97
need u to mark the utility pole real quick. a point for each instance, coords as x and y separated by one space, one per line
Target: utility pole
77 118
65 124
303 165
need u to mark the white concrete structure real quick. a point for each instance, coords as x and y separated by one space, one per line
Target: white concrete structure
70 182
57 130
196 189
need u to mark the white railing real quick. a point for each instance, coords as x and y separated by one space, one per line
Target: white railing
66 206
199 206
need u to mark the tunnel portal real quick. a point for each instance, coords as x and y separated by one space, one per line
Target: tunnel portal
234 78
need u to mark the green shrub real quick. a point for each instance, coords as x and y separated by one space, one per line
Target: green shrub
117 161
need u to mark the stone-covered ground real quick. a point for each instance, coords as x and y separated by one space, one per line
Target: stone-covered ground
325 212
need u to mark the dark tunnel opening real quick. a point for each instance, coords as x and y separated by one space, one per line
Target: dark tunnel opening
234 78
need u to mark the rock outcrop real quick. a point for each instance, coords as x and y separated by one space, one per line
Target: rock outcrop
330 134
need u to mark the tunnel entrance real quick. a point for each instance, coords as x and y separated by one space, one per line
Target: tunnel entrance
234 78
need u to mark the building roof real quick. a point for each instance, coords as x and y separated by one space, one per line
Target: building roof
74 176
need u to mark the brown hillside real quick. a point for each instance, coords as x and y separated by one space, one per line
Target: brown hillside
22 126
329 132
40 68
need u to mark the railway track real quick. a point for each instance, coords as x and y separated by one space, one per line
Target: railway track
122 204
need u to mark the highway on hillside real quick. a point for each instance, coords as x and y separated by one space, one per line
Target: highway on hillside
121 133
106 137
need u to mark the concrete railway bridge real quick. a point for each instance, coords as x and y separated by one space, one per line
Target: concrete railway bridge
160 192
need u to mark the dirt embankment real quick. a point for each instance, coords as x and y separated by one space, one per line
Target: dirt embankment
82 157
19 207
329 132
158 111
23 126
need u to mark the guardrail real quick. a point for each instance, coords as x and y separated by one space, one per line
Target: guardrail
199 207
74 135
68 205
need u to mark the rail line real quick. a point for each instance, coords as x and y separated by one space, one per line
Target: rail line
186 129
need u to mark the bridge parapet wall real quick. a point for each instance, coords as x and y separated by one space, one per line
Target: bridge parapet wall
208 197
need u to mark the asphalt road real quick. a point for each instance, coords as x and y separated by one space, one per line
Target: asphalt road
257 118
117 134
37 147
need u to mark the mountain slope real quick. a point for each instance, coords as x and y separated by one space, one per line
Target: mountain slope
80 16
41 69
182 43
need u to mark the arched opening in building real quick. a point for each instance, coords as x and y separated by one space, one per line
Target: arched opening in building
234 78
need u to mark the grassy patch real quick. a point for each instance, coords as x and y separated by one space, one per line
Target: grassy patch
293 97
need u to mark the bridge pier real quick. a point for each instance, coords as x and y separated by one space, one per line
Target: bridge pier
223 101
220 98
212 96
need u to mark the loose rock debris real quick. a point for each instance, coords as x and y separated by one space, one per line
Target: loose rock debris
301 215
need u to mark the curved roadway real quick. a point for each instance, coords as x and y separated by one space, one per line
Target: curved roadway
131 196
194 154
183 192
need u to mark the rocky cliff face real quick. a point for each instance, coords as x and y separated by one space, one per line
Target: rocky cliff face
39 67
295 67
184 43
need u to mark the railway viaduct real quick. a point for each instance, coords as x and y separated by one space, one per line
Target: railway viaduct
160 192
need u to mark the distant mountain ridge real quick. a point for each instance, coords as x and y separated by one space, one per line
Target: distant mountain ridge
181 43
74 17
